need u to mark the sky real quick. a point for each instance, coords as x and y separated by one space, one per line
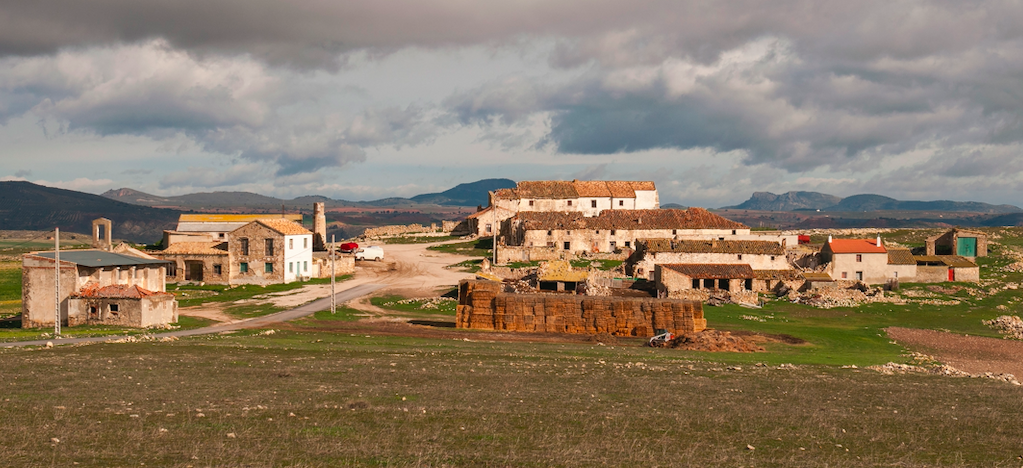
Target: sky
917 100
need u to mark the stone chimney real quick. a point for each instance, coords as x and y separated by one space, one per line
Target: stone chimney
101 235
319 227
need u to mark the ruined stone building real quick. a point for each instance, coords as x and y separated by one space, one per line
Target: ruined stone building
588 197
544 235
970 244
96 287
758 255
263 251
215 227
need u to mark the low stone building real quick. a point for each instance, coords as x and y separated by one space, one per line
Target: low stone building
759 255
942 268
970 244
673 278
85 280
217 227
537 235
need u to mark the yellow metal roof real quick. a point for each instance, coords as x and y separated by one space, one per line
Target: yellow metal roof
236 218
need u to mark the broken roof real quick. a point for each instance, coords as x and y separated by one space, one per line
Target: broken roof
777 274
813 276
712 270
954 261
712 246
692 218
99 258
900 257
561 270
855 246
116 291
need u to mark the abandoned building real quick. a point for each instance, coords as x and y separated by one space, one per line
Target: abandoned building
264 251
871 262
970 244
217 227
487 305
96 287
542 235
941 268
759 255
588 197
674 277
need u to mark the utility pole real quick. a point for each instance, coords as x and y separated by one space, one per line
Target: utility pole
56 281
333 300
494 246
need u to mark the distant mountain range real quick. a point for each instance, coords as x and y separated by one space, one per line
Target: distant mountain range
794 201
468 194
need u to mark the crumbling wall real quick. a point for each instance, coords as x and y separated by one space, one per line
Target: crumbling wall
507 254
397 230
484 305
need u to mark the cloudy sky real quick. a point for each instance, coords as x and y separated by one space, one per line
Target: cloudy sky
363 100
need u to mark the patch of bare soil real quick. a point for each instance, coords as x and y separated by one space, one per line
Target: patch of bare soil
206 312
972 354
712 340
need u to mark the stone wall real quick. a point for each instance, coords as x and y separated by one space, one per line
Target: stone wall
398 230
484 305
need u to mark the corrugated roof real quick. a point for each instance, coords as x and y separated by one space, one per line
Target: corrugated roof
713 246
99 258
900 257
712 270
855 246
116 291
235 218
195 248
692 218
777 274
283 226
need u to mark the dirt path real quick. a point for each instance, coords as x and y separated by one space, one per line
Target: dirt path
973 354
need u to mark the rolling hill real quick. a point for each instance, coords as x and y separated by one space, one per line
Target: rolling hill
792 201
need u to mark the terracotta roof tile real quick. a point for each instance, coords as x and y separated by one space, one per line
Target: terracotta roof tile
642 185
591 188
195 248
284 226
560 189
855 246
621 189
116 291
712 270
692 218
712 246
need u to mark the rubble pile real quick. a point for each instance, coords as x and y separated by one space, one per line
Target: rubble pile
892 368
1009 325
711 340
827 298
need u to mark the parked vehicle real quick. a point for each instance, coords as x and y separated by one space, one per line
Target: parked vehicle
372 252
348 247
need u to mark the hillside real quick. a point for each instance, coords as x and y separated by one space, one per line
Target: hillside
470 194
792 201
27 206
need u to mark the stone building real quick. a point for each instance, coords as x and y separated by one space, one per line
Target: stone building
95 287
674 277
970 244
759 255
218 226
535 235
857 259
941 268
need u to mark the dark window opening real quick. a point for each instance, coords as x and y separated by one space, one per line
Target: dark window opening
268 267
621 202
749 285
696 283
269 247
570 203
245 246
723 284
568 245
733 232
115 308
217 270
593 203
859 257
530 202
708 284
627 244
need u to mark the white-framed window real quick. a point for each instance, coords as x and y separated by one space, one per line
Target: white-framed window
291 244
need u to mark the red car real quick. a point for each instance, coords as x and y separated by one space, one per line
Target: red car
349 247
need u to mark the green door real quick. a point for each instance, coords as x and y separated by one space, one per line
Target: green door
967 247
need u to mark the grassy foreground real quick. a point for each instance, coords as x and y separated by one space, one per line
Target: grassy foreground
319 399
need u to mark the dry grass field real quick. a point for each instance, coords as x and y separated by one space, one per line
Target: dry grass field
329 399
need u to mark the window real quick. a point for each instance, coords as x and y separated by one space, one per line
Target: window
115 308
627 244
696 283
172 270
733 232
740 256
593 203
859 275
269 247
568 245
613 245
597 231
217 269
612 232
243 267
845 275
772 258
291 267
268 267
530 202
550 244
568 233
549 233
490 228
291 243
570 203
245 245
305 242
305 266
621 202
859 257
674 231
221 235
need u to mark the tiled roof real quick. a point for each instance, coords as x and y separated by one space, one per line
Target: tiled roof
560 189
713 246
900 257
195 248
954 261
284 226
116 291
777 274
712 270
811 276
692 218
855 246
234 218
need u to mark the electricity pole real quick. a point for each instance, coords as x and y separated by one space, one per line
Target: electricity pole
333 300
56 281
494 246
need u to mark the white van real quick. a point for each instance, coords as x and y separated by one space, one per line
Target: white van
371 252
